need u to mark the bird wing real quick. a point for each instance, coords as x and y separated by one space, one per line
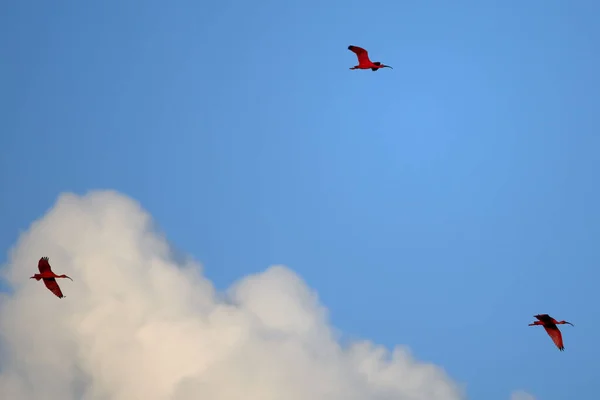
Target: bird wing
361 54
556 336
544 318
52 285
44 265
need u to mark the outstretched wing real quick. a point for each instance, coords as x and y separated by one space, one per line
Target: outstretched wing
556 336
544 318
52 285
44 265
362 54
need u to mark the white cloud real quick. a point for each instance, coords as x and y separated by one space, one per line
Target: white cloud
521 395
136 324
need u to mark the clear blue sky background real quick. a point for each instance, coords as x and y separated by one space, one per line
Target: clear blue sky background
440 204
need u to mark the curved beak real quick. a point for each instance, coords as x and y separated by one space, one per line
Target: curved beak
387 66
569 323
68 277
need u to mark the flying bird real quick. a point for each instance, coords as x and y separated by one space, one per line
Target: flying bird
363 59
48 276
549 325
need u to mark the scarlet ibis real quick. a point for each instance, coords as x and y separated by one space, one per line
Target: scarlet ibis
549 325
48 276
363 59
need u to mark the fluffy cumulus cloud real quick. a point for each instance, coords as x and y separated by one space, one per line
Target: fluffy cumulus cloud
139 323
521 395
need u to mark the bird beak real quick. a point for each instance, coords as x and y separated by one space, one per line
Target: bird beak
68 277
387 66
569 323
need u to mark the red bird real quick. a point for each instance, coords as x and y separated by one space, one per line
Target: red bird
363 59
48 276
549 325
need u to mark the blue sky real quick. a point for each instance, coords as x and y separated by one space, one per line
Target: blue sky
440 204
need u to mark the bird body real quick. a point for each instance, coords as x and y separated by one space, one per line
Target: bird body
49 277
552 330
363 59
